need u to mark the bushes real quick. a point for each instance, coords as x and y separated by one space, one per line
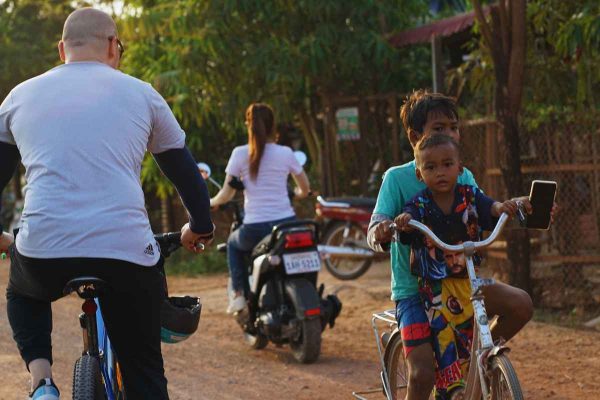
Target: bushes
185 263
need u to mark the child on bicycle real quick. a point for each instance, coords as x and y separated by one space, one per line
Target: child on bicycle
424 114
455 213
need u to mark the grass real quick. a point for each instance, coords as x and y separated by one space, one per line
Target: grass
187 264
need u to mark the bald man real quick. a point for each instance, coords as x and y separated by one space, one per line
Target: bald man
81 131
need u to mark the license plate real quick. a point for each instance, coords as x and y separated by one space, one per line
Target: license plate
299 263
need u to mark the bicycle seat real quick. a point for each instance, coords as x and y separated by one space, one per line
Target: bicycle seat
364 202
86 287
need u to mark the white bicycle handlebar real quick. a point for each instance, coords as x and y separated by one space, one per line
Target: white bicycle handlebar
457 247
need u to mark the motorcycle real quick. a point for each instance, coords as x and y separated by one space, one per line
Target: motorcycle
284 304
344 221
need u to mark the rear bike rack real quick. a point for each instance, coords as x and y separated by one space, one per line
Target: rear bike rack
388 317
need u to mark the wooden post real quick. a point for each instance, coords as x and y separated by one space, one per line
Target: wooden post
394 114
331 132
165 213
328 153
437 67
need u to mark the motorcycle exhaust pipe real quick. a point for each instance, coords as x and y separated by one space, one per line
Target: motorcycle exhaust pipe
327 251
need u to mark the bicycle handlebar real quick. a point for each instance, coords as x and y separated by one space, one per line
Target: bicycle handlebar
171 241
455 248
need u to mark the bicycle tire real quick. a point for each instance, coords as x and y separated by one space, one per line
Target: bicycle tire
503 380
357 267
396 368
87 381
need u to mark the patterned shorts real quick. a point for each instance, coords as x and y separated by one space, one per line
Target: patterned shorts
413 323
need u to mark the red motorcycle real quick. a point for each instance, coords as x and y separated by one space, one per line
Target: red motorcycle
344 222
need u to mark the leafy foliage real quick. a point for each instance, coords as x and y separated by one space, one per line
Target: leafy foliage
562 78
29 33
210 59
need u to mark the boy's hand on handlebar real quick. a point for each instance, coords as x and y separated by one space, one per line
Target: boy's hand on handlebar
383 232
402 221
509 206
194 242
529 208
525 203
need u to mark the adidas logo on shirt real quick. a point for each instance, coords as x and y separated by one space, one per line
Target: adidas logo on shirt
149 250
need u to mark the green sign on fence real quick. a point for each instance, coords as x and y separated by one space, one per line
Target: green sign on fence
347 124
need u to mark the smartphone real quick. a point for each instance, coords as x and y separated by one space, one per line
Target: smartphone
542 197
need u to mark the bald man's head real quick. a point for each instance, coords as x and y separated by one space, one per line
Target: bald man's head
87 32
87 26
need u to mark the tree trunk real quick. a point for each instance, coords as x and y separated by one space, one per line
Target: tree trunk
166 217
506 39
307 125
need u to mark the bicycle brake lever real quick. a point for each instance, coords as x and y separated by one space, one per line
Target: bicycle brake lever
521 214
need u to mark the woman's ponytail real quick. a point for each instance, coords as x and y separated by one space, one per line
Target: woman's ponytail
260 122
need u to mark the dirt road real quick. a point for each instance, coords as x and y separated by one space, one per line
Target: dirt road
553 363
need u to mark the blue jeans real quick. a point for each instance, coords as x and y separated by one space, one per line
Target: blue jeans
240 245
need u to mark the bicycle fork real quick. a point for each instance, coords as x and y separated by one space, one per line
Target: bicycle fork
483 343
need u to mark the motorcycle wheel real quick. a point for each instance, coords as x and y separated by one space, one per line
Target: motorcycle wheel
346 268
308 346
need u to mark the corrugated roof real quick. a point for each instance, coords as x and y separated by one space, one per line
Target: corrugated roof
443 27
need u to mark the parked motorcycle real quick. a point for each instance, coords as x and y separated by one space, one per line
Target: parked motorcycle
284 304
344 221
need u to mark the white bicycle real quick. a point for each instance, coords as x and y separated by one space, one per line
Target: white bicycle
491 375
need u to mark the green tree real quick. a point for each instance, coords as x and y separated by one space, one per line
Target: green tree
555 81
210 59
29 33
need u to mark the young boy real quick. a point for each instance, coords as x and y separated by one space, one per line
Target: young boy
455 213
425 114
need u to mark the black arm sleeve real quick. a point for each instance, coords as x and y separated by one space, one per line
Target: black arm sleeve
179 166
9 159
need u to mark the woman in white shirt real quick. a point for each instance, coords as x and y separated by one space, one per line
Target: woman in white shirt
263 166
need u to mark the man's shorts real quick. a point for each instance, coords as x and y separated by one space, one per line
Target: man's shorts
412 322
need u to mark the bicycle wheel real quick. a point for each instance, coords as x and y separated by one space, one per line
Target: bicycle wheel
504 384
87 382
346 268
397 370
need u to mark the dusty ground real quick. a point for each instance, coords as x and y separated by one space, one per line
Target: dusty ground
553 363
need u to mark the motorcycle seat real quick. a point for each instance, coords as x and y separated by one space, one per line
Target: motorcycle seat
363 202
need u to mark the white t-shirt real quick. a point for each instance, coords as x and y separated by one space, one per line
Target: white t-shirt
82 130
266 198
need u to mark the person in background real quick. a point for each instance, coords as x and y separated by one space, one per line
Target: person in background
263 167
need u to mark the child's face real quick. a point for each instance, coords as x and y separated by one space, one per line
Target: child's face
439 167
438 122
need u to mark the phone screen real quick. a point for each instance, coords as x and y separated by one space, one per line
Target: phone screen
542 199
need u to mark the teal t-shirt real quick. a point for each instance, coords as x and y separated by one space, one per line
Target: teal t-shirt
399 185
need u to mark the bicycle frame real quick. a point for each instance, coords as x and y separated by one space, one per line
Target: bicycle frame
97 344
483 345
108 363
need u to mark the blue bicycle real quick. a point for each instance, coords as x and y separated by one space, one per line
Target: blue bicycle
97 374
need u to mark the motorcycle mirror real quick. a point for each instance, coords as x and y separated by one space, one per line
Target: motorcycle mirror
300 156
204 170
